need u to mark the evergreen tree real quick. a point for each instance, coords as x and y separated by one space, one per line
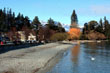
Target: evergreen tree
8 20
51 24
60 28
4 10
3 24
85 29
36 22
19 21
92 25
10 13
101 23
100 26
106 27
1 20
51 21
27 22
13 19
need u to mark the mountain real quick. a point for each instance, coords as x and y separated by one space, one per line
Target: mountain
66 26
43 22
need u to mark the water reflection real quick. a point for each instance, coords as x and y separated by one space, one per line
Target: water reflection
85 58
95 48
75 53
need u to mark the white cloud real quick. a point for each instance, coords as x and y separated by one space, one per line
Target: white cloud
100 9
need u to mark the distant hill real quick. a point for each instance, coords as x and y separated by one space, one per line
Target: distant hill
66 26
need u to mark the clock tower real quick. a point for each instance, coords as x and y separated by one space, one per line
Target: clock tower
74 31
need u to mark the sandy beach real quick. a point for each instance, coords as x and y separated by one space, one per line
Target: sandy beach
38 59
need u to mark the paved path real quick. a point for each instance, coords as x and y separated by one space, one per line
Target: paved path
29 60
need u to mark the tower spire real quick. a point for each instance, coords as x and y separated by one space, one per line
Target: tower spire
74 20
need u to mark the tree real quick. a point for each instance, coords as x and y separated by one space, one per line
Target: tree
18 21
92 25
3 25
45 33
36 25
1 20
13 20
51 24
13 35
27 22
91 28
59 37
94 35
36 22
51 21
85 29
60 28
101 26
101 23
106 28
8 20
27 31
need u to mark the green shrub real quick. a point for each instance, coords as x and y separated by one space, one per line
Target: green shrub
59 37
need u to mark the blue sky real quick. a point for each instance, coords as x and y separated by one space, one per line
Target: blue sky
60 10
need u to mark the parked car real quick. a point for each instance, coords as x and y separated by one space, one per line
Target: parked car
1 41
31 41
17 42
5 41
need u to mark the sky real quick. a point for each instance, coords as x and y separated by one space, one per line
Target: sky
60 10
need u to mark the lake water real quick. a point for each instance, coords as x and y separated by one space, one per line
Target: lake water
85 58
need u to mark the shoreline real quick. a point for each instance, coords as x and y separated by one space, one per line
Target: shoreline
33 59
37 59
53 61
57 58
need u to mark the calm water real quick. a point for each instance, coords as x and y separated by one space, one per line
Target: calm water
79 59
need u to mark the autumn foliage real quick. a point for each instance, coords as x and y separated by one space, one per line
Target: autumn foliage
13 35
45 33
74 33
93 35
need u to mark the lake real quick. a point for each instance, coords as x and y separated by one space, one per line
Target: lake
91 57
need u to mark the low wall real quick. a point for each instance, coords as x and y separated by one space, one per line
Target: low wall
5 48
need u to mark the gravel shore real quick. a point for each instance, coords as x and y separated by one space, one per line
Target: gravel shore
31 60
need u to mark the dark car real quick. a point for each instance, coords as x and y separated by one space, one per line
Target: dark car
4 40
1 41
